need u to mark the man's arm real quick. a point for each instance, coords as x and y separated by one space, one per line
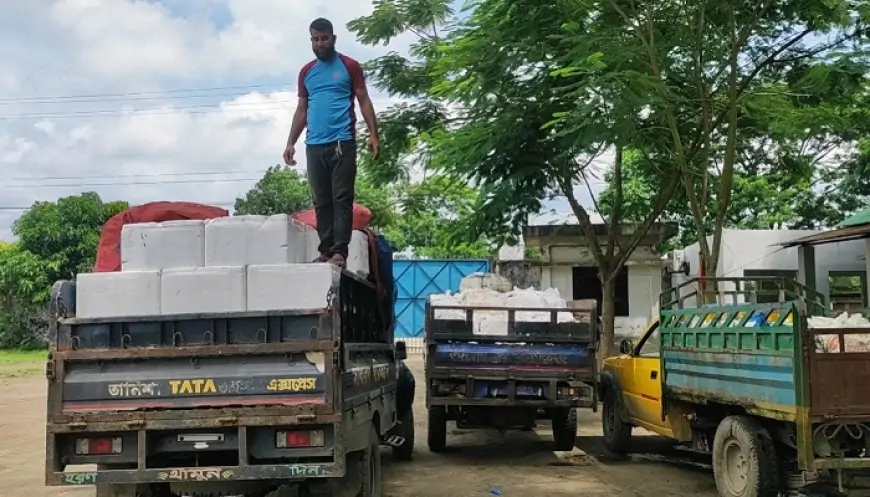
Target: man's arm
368 110
358 81
300 118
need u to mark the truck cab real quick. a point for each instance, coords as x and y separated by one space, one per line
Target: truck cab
632 389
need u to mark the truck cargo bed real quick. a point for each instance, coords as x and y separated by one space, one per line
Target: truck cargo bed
712 354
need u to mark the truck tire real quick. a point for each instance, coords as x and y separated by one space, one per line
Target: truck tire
405 451
617 433
370 469
437 429
744 459
121 490
564 429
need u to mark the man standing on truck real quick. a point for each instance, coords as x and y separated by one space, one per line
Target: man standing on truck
327 87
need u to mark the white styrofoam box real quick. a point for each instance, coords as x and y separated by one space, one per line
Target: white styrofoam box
358 253
495 322
117 294
155 246
202 289
280 287
243 240
312 243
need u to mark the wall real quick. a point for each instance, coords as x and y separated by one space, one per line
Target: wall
758 250
523 274
644 280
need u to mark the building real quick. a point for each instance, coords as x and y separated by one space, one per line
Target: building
565 262
755 253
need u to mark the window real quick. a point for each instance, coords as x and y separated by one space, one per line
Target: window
650 346
768 291
588 286
847 290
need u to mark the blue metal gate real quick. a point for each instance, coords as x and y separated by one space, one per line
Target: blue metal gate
417 279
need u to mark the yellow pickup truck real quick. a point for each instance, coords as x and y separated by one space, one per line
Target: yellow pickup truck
745 382
632 391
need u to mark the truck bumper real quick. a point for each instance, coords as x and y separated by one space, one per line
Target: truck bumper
540 404
247 438
282 472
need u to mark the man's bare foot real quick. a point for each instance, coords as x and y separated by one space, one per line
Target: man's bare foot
321 258
339 260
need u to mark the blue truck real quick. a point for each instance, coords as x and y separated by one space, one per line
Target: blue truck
536 370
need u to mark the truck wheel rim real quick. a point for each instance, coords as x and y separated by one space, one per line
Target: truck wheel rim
736 467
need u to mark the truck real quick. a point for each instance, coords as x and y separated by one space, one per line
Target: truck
542 369
733 370
279 403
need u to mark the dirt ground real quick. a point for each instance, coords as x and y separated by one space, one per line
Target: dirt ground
477 463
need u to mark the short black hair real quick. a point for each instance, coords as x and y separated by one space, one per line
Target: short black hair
322 25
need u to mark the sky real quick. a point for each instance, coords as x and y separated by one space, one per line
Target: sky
157 100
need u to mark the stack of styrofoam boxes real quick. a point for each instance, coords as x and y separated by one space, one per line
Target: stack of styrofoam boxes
228 264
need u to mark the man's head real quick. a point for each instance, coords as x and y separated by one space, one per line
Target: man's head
322 39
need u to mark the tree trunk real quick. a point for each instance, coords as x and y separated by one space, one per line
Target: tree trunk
608 317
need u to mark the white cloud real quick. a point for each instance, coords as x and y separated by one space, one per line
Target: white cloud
143 52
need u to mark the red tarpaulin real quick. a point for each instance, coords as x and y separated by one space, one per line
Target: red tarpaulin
109 249
362 216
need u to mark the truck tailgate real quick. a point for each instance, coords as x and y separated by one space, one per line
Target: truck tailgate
513 357
839 361
551 347
165 383
188 361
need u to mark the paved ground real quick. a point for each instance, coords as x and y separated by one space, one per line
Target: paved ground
478 463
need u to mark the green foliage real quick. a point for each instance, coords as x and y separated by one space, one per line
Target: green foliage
734 91
56 240
405 127
280 191
429 218
432 220
24 291
284 191
65 234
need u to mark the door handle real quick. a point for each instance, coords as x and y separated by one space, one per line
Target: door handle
653 375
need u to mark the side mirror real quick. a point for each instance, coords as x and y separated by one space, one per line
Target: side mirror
401 351
625 347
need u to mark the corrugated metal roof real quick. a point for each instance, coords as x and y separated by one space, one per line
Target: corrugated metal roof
832 236
858 219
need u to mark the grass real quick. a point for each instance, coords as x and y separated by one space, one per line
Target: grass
17 363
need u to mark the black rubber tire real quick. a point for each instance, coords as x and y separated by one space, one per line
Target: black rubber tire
371 476
617 433
564 429
140 490
437 435
755 451
405 452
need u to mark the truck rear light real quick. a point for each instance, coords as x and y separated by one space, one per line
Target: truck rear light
299 438
98 446
568 392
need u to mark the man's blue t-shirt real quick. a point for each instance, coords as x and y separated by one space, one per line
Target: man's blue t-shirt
329 87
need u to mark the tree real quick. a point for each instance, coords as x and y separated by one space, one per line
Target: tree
404 127
709 71
65 234
497 69
25 286
284 191
432 217
56 240
802 178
